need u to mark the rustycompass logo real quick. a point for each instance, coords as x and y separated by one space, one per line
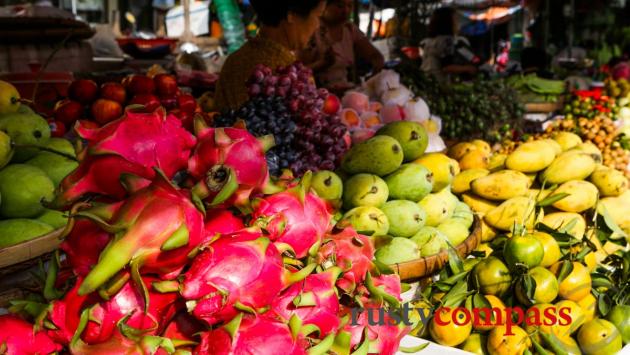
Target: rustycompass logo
482 316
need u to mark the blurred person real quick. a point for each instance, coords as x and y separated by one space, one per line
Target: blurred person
444 52
286 27
337 47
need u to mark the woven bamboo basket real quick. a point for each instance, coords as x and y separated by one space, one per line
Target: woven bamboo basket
22 256
430 265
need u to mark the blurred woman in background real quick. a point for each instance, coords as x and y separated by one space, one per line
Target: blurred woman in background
286 27
336 48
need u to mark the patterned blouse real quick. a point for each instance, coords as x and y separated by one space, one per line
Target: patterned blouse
231 89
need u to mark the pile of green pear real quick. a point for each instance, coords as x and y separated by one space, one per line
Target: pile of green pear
388 188
31 167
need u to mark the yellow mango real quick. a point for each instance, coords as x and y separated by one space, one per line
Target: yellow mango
443 168
618 208
539 194
558 220
483 146
497 162
461 182
590 148
570 165
517 210
609 182
487 233
502 185
567 140
531 157
582 196
474 160
477 203
556 147
460 149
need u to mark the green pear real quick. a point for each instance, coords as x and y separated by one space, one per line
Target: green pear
405 217
410 182
366 220
364 190
398 250
411 135
327 185
454 230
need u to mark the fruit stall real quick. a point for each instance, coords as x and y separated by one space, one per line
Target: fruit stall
339 205
404 216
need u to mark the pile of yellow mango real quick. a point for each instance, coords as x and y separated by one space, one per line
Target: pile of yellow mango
565 176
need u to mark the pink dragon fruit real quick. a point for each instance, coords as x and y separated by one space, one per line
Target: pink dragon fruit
229 165
361 333
155 230
314 301
17 337
219 221
183 326
350 251
116 149
95 320
217 284
295 217
85 240
126 341
247 334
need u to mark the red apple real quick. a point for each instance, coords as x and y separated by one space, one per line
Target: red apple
165 84
332 105
68 111
87 124
139 84
83 90
57 128
169 102
150 102
114 91
105 111
187 103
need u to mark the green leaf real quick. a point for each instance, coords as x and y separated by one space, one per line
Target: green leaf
413 349
604 303
610 222
552 199
382 268
454 261
456 295
565 270
529 283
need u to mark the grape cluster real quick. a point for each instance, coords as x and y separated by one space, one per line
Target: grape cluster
319 140
264 116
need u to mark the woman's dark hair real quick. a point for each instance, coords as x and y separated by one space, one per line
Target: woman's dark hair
442 22
271 13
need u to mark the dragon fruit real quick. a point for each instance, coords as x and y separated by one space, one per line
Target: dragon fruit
229 165
95 320
84 240
155 230
115 150
379 291
17 337
383 338
350 251
218 285
126 341
183 326
295 217
314 301
219 221
247 334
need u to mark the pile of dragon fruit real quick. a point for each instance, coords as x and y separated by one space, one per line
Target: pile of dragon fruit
182 243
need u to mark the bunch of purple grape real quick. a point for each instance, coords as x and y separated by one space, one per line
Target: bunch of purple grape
319 139
262 116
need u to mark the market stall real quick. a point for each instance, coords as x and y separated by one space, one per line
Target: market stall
409 214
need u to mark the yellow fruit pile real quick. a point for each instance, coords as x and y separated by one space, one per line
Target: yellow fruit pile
600 131
525 265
